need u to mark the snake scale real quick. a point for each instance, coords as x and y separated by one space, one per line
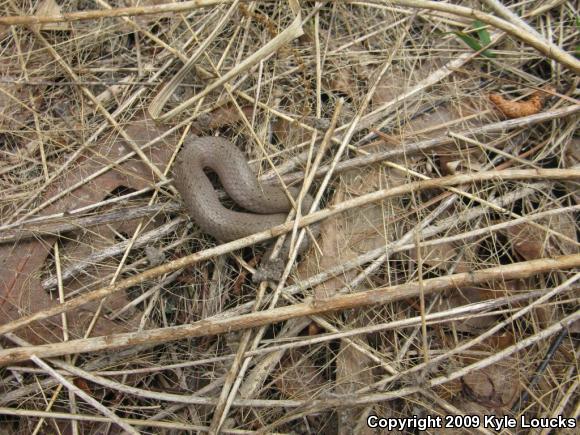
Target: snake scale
267 204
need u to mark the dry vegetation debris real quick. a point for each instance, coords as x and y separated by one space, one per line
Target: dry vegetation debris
444 280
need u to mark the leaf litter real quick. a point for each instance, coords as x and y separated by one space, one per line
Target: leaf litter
314 374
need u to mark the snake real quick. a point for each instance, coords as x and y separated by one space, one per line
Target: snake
265 205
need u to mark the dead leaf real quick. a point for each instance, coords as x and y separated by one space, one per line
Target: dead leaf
518 109
530 242
289 132
345 236
342 82
49 8
448 390
526 241
496 386
21 292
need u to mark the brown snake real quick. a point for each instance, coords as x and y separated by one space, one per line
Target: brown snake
267 203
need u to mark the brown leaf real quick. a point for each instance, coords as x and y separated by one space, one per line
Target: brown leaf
518 109
526 241
496 386
531 242
448 390
345 236
289 132
50 8
342 82
20 265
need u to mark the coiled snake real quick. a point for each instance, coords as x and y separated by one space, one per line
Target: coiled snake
267 204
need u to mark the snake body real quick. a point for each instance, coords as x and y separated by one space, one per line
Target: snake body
267 204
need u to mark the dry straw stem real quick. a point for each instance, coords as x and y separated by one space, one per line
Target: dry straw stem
441 316
464 346
221 411
382 295
110 119
429 231
102 110
349 164
258 375
293 31
357 400
86 397
506 13
407 149
121 109
196 399
131 421
486 308
531 38
533 174
311 172
570 393
241 363
551 51
71 223
455 314
27 20
116 249
8 234
165 93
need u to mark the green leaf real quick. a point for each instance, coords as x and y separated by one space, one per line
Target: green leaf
482 32
473 43
469 40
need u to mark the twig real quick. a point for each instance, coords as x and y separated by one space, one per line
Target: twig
521 403
291 32
114 250
96 404
469 311
157 104
27 20
547 174
477 340
353 400
407 149
216 423
132 421
30 229
343 302
549 50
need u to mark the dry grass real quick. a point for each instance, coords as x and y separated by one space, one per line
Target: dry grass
445 278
